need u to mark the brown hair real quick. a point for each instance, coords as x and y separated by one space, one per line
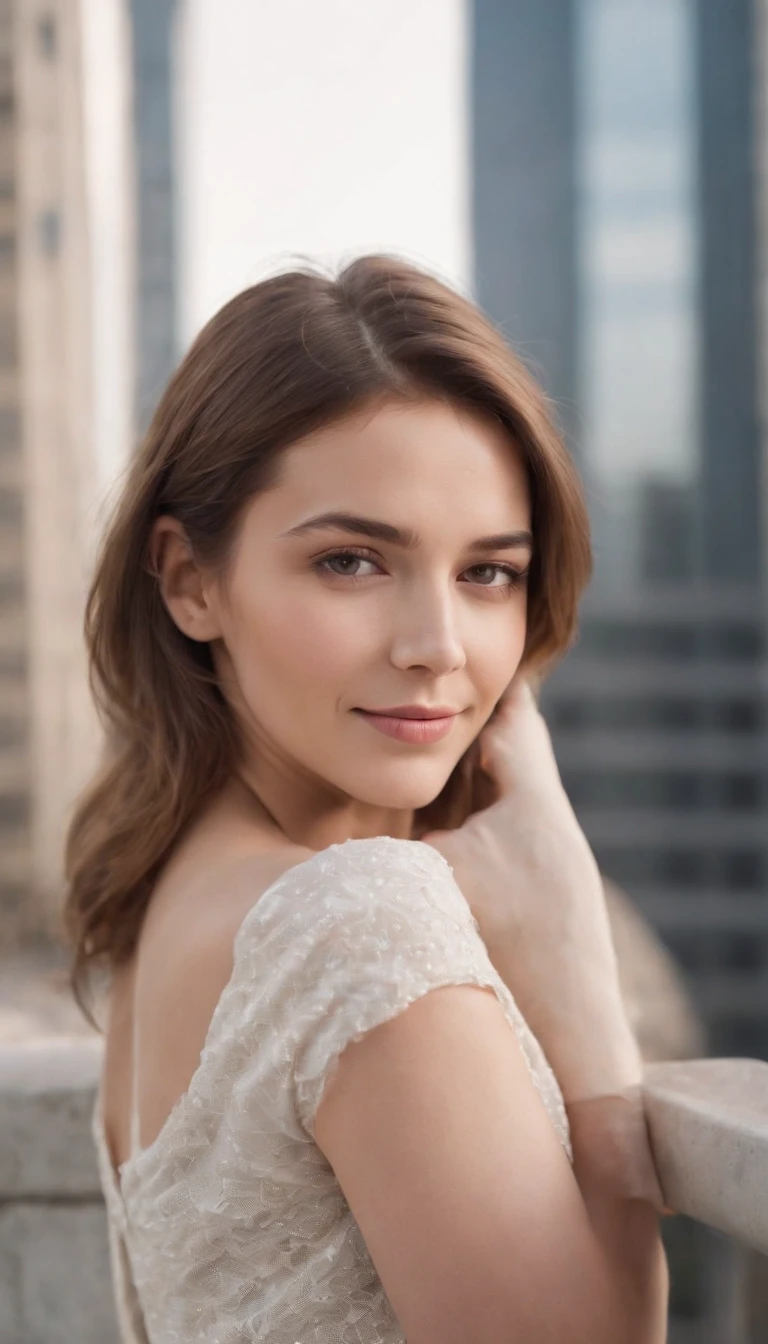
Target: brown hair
284 357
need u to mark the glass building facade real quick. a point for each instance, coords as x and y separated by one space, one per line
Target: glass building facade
615 205
152 40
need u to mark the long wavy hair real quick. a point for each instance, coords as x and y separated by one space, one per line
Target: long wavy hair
281 359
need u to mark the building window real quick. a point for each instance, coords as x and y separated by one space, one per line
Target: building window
47 37
49 231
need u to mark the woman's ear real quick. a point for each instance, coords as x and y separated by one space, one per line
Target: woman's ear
187 595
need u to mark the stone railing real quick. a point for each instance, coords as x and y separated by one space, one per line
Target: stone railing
708 1120
55 1278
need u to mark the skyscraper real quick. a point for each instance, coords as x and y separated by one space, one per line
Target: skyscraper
616 209
14 740
47 726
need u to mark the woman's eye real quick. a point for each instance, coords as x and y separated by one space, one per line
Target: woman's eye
346 562
507 576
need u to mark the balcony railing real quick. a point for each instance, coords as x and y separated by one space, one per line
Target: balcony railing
708 1120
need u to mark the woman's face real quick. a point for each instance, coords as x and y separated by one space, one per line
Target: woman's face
386 568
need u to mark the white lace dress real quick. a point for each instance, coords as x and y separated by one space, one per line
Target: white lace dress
231 1225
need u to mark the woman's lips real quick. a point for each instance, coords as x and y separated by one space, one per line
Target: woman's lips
420 731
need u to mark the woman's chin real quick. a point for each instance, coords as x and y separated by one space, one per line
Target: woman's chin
403 796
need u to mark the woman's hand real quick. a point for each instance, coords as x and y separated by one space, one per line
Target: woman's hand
532 883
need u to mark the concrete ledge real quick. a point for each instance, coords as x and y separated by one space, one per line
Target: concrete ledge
708 1120
55 1275
47 1092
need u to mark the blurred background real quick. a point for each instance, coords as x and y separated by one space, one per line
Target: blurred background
595 174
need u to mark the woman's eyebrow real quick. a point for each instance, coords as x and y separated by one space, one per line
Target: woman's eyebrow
402 536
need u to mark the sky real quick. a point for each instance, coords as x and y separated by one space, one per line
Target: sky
320 130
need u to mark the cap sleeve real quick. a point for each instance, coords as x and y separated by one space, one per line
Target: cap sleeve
396 926
349 939
338 945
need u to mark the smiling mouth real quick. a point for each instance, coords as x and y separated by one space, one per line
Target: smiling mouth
406 728
413 712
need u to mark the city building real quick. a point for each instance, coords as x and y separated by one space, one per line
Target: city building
617 214
14 744
65 419
45 715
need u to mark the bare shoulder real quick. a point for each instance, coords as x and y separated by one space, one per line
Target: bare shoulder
190 933
184 963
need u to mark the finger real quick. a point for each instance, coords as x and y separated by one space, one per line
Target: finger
518 686
430 837
517 698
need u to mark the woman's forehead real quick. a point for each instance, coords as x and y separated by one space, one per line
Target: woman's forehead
430 454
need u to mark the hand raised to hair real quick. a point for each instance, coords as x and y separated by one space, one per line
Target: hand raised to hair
533 885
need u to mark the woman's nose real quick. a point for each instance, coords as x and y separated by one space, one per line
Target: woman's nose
427 635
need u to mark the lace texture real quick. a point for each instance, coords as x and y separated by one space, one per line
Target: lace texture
231 1225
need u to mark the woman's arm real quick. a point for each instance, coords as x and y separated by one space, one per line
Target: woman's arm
477 1224
613 1162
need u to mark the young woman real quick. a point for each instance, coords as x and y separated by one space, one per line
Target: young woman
329 861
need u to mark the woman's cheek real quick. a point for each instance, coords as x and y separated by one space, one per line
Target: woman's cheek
496 662
305 638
